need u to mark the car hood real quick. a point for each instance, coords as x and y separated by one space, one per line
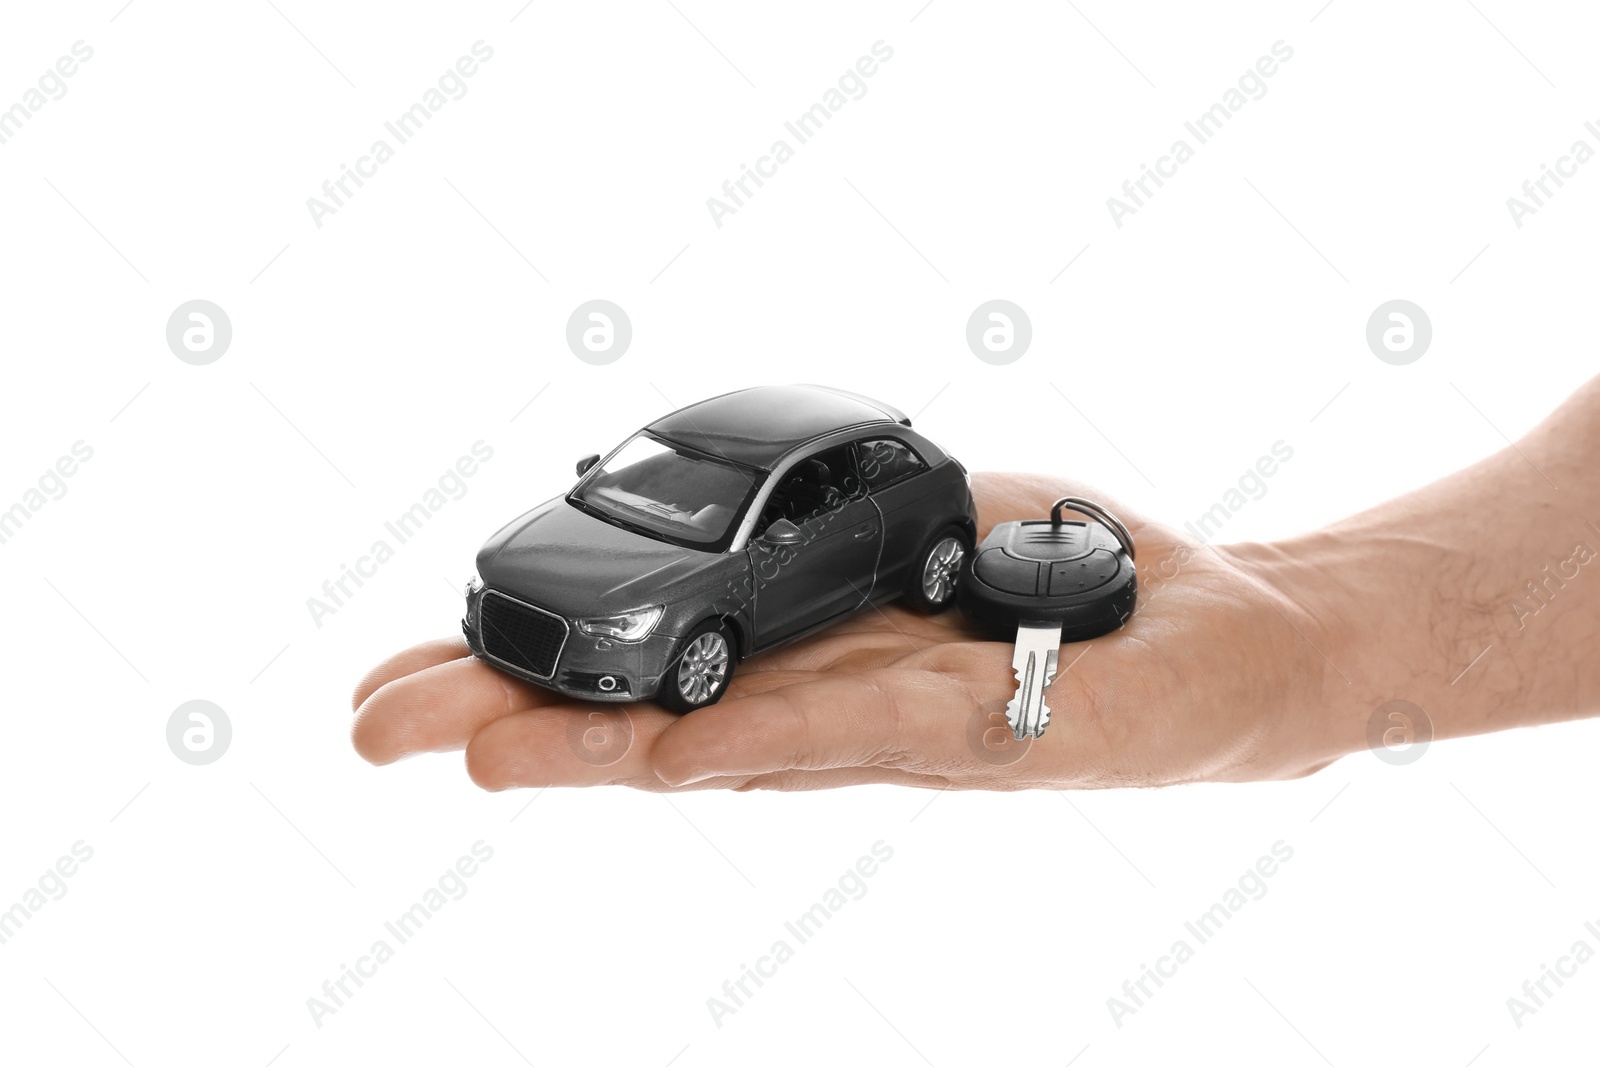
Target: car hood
579 566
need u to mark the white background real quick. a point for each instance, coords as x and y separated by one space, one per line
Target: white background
423 316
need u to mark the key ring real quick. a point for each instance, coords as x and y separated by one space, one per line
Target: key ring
1094 511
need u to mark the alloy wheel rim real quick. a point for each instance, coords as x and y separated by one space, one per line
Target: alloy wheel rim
704 666
941 569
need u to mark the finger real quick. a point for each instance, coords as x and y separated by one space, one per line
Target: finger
568 744
582 745
876 718
438 709
417 658
751 682
838 778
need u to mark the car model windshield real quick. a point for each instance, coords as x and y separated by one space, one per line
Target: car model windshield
669 492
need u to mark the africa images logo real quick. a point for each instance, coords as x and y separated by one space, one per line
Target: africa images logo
1251 85
802 128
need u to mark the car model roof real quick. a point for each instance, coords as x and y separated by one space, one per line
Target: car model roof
760 426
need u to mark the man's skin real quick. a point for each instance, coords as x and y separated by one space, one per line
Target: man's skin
1242 662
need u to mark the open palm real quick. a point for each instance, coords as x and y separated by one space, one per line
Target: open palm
1211 679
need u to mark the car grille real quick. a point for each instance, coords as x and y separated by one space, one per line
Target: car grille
521 635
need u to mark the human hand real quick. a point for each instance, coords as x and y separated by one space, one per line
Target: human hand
1213 678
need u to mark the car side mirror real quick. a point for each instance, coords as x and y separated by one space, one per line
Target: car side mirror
782 532
585 462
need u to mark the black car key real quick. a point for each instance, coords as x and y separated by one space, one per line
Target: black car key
1044 581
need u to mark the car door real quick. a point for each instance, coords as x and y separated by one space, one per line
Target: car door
891 469
832 571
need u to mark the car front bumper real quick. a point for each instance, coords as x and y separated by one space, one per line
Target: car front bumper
586 667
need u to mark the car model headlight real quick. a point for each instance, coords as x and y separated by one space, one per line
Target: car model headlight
632 626
474 584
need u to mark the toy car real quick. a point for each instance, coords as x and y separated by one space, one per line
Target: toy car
721 530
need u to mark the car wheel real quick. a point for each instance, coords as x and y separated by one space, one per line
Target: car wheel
932 584
699 674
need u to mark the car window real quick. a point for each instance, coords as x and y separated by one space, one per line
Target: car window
813 487
885 460
668 492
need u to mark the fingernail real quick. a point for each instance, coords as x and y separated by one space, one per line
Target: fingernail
684 778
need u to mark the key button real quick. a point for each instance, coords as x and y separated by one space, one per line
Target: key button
1007 573
1080 575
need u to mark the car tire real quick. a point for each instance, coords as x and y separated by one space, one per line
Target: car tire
931 586
700 670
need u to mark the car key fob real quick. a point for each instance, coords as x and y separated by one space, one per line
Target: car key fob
1047 571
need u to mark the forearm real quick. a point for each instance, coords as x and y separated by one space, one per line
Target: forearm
1476 598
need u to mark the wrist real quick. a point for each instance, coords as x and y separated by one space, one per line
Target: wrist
1355 612
1431 605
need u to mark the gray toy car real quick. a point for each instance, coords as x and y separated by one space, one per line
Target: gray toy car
721 530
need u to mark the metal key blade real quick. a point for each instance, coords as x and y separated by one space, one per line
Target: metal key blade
1037 648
